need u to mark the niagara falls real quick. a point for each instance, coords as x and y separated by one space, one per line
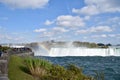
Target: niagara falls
69 49
59 39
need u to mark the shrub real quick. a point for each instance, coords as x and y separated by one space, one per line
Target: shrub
75 73
57 71
72 72
37 67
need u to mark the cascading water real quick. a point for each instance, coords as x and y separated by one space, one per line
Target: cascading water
84 52
41 49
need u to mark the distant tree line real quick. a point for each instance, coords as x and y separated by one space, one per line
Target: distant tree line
84 44
91 45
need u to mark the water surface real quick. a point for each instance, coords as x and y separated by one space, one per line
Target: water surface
109 65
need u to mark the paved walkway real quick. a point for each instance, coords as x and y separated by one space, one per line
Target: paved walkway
4 78
3 70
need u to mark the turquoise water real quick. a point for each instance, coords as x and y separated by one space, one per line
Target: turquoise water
109 65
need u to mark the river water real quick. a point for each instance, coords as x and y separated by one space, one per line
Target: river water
110 66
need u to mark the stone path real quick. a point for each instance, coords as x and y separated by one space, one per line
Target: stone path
4 78
3 70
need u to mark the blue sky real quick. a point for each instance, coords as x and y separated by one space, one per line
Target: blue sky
24 21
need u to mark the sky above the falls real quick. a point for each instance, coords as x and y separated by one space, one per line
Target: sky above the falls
62 20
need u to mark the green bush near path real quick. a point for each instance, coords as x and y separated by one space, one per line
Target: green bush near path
37 67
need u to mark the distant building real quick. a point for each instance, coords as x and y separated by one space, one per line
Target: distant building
13 45
16 46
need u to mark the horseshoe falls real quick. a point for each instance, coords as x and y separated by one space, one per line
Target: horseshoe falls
54 52
57 50
75 51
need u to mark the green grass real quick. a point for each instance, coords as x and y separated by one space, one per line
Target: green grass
16 69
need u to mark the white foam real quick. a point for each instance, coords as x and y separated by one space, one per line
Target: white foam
68 50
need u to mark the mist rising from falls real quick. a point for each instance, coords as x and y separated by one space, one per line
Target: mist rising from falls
68 49
39 49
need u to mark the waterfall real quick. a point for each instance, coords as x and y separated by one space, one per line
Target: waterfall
48 49
84 52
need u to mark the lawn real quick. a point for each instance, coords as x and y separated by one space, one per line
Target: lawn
15 71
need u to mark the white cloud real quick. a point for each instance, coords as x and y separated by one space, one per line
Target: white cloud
108 20
52 32
85 37
112 35
86 17
99 36
25 3
70 21
114 20
100 29
88 10
47 34
48 22
95 30
82 31
104 35
40 30
94 7
60 29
